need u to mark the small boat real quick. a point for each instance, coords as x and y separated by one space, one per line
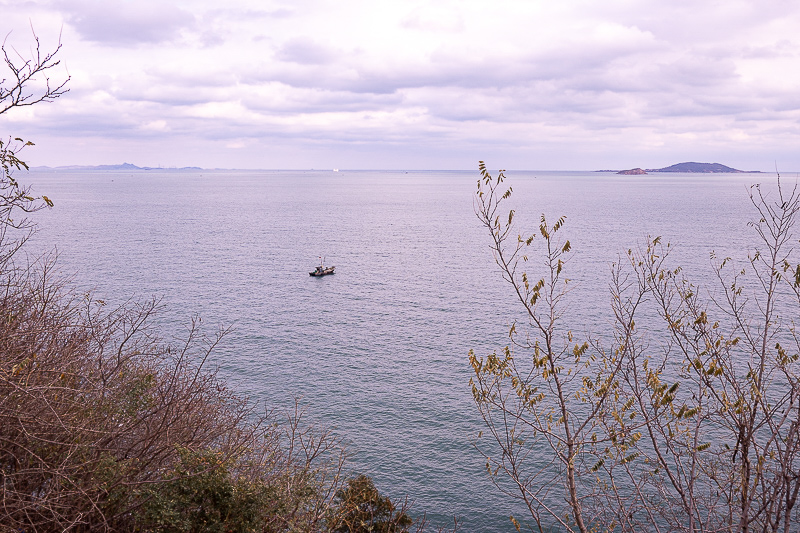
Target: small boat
322 270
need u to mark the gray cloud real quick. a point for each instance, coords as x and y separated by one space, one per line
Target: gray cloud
698 71
433 76
126 23
305 52
244 15
170 95
781 48
308 64
322 101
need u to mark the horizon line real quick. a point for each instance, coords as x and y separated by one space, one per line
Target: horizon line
131 167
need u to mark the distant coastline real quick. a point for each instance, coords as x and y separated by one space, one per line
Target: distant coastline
688 167
123 166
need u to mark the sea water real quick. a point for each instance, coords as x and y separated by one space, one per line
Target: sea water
379 350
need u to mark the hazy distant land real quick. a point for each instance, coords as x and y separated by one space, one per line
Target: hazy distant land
123 166
688 167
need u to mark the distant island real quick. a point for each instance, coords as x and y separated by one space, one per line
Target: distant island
689 167
632 172
123 166
706 168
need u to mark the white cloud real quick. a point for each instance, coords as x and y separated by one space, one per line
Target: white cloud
430 79
305 52
124 23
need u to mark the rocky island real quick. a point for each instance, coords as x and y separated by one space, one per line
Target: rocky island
688 167
632 172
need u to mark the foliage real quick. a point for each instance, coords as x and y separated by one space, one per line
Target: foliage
103 426
689 424
23 73
201 494
96 417
25 83
359 508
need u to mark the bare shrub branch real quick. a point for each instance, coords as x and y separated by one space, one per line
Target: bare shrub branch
691 426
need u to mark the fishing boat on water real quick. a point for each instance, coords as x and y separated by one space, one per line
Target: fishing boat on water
322 270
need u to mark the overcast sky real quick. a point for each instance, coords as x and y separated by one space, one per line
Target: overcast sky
414 84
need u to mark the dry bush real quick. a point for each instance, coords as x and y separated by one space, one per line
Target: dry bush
683 416
97 415
103 427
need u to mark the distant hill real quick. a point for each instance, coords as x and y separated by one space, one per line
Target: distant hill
706 168
689 167
123 166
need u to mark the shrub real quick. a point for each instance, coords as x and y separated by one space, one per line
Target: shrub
359 507
683 416
103 427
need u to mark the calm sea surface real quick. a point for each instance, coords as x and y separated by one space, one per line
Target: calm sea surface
379 350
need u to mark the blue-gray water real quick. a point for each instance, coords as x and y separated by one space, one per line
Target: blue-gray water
378 350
